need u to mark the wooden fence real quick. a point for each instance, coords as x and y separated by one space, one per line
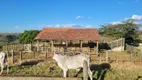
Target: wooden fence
45 48
18 57
109 57
117 43
27 47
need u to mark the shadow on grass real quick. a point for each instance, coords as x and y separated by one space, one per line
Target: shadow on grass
26 64
139 77
31 63
100 70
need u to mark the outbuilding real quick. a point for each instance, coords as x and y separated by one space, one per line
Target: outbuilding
85 39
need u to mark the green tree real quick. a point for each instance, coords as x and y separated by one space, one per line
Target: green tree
11 38
28 36
128 30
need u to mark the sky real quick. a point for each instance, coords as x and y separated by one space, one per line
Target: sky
19 15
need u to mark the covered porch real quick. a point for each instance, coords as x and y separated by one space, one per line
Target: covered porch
67 39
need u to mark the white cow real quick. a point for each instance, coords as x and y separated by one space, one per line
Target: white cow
72 62
3 61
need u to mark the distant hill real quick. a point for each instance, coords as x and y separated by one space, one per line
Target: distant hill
6 38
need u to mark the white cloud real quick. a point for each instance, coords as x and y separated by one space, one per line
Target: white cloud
126 19
49 25
116 22
137 17
64 25
17 27
88 26
69 26
79 17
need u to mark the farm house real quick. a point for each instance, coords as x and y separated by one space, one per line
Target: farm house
84 39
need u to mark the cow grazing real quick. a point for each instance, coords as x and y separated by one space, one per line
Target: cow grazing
3 61
72 62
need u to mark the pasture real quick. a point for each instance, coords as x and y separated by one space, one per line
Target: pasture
37 64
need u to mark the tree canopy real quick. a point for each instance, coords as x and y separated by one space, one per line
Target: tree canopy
128 30
28 36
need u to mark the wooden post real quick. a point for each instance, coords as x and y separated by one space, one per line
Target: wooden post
97 47
34 54
106 56
116 58
122 44
37 45
43 43
66 43
12 56
141 56
100 58
20 57
80 45
66 49
23 46
45 55
123 41
15 47
51 45
85 70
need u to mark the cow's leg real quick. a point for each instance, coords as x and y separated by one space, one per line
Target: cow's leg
77 72
90 73
65 72
6 62
7 67
2 66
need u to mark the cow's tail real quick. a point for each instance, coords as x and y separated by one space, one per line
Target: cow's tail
89 69
88 61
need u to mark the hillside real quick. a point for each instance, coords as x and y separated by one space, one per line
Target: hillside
6 38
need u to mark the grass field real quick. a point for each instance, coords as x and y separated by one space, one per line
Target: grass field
103 71
100 71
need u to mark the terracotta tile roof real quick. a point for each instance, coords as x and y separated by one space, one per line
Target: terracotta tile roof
68 34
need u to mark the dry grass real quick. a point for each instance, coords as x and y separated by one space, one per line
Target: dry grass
38 66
